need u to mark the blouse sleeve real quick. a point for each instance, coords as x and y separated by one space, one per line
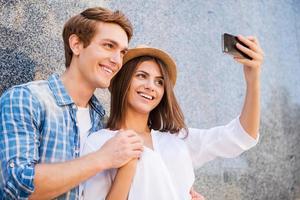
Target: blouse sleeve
222 141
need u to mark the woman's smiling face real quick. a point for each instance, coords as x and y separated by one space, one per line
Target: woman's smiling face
146 89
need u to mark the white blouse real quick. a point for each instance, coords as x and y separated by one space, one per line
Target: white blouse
166 172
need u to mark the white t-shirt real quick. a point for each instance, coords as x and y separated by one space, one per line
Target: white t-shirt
84 124
167 171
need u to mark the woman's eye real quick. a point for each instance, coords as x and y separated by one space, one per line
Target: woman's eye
160 82
141 75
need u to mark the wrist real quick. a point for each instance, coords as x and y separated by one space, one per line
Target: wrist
100 161
252 80
130 165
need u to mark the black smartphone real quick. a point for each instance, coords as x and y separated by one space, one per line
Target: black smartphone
229 46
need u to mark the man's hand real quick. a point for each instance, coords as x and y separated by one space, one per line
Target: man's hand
195 195
120 149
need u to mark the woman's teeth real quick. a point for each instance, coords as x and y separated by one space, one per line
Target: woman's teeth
146 96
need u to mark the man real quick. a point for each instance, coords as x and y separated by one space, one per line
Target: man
45 123
40 126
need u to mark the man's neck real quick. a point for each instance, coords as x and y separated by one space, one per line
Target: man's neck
79 90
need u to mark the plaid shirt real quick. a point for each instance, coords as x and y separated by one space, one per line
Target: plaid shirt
38 125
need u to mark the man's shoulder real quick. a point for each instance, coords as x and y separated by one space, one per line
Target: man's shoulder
26 90
27 86
36 86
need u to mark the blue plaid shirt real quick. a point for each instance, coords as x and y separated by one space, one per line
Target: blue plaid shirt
38 125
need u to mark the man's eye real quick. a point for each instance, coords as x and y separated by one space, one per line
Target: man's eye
108 45
123 53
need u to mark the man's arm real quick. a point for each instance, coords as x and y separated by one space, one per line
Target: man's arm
18 141
250 115
52 180
20 116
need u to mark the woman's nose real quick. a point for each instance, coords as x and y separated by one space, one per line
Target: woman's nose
149 84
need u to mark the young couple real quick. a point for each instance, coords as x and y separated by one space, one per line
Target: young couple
51 133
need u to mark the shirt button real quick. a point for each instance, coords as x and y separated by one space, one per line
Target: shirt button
12 164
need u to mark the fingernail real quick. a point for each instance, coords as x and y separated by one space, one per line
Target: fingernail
241 37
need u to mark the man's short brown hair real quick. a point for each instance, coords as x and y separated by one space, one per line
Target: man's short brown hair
84 26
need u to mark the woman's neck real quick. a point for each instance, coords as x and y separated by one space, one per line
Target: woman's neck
138 122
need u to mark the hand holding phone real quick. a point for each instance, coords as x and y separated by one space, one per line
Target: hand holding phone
229 46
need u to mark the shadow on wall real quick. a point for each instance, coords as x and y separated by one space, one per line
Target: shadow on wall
275 172
8 2
16 67
273 166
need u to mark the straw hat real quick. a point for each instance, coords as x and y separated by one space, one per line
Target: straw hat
144 50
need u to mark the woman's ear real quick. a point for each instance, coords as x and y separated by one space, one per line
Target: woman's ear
75 44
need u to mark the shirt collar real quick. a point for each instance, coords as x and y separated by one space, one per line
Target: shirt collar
96 105
59 91
62 97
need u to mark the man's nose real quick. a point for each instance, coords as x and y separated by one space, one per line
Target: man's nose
116 58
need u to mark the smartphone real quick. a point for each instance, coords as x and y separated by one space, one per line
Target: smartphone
229 46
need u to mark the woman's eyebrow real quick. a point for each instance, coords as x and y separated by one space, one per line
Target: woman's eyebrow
144 72
160 77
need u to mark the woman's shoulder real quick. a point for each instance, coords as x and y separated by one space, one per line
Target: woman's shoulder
166 136
102 134
96 139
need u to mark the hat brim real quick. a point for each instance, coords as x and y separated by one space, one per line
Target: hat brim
157 53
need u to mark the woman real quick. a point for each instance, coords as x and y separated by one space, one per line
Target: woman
142 99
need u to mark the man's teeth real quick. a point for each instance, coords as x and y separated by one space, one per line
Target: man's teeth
146 96
107 70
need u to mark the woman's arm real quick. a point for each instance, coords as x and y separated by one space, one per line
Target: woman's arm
250 115
122 182
240 134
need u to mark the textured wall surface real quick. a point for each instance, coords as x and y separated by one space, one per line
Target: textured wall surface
210 85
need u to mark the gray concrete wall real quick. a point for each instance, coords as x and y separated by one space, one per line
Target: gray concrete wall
210 85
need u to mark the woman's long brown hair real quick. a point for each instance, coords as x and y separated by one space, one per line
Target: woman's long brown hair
166 116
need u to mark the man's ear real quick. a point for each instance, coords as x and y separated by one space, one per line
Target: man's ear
75 44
